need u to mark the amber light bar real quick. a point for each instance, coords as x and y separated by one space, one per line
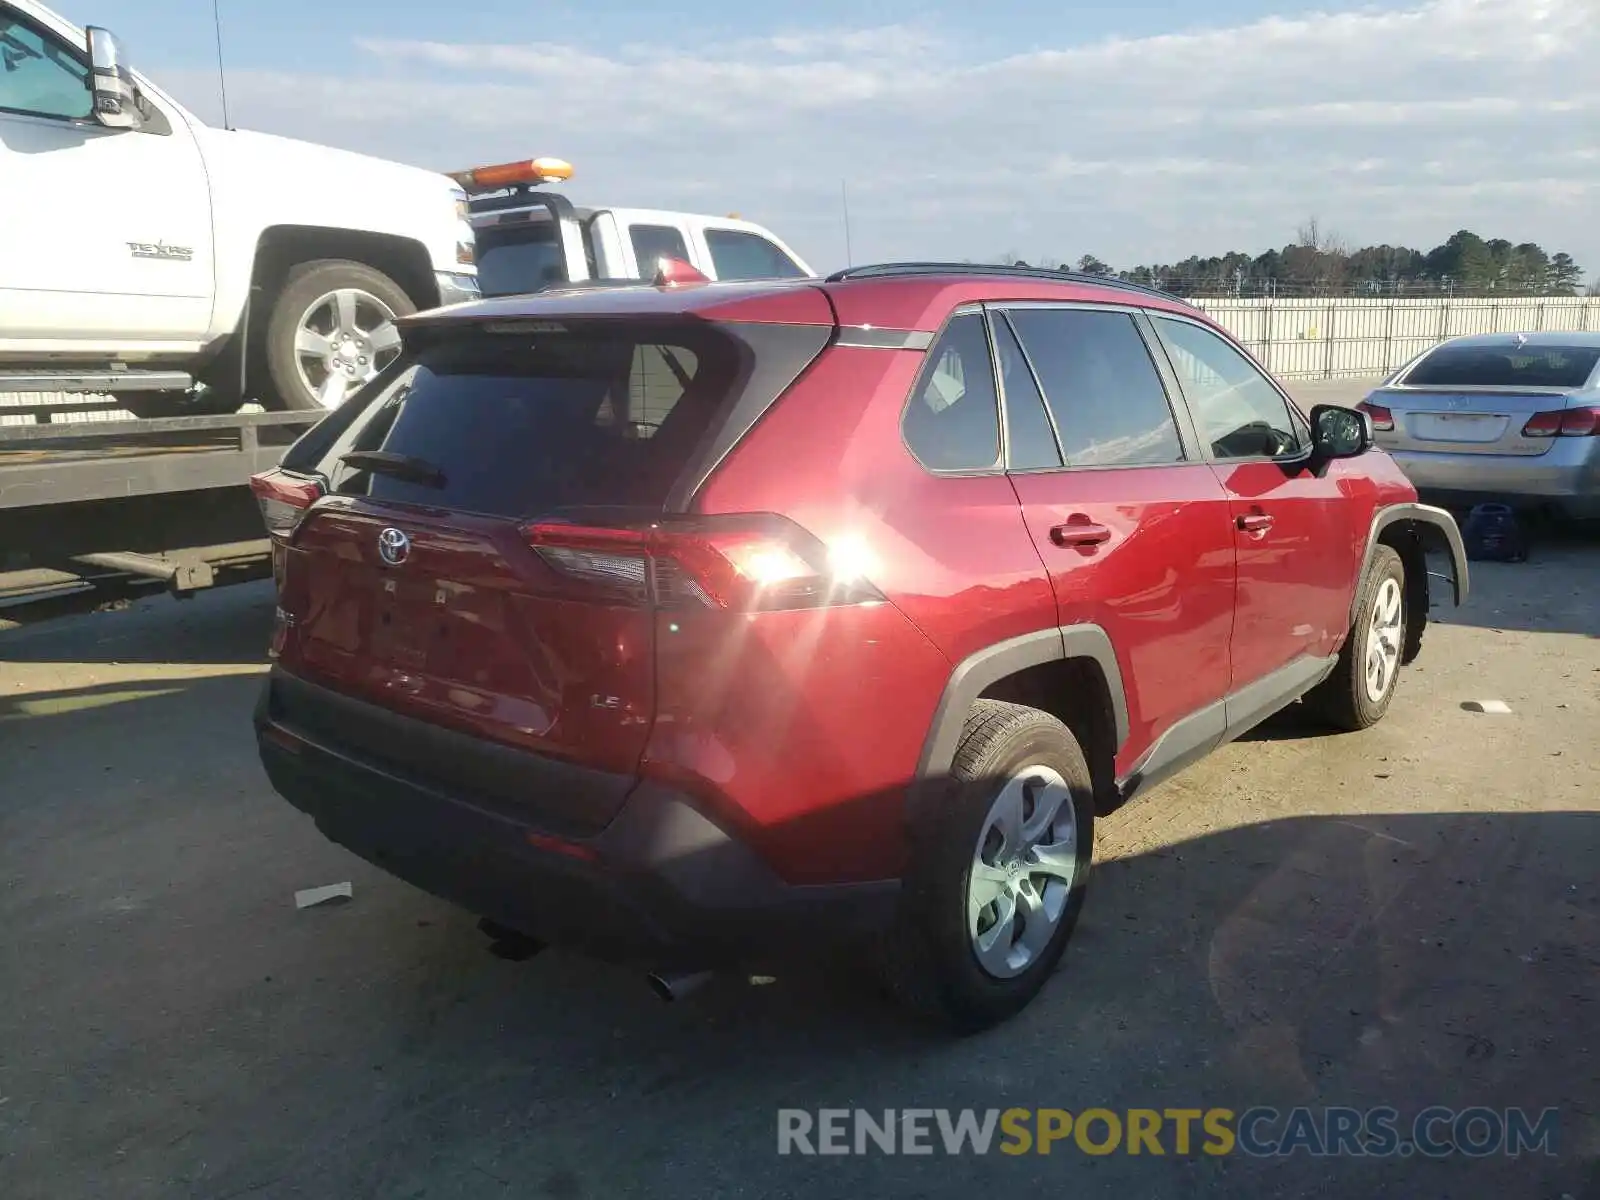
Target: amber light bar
502 175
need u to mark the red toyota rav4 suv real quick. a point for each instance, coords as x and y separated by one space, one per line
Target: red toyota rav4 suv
677 622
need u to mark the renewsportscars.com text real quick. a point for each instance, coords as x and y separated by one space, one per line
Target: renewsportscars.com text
1436 1132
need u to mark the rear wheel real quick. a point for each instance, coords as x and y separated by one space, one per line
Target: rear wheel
1357 694
998 874
331 330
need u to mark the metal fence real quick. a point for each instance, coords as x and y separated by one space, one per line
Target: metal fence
1334 338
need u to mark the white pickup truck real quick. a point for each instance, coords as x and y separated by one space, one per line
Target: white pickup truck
178 271
142 252
529 238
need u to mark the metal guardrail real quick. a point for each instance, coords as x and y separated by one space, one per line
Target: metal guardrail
104 460
139 429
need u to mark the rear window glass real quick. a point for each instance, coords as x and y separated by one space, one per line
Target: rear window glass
522 258
513 425
1505 366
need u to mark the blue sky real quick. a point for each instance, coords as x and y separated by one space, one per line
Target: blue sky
1137 130
256 33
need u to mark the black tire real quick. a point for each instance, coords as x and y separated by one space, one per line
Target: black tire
304 285
1341 700
927 958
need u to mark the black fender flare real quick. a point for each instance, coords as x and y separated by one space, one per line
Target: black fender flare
1439 522
983 668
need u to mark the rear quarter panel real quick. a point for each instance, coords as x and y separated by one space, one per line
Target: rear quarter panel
810 724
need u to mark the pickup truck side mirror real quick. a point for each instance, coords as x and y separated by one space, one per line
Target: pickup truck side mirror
116 103
1338 432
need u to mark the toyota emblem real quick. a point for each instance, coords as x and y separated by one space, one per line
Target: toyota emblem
394 546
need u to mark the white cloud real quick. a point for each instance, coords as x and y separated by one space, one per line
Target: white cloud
1397 125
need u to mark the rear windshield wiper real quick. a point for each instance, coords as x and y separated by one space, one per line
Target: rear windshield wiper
401 466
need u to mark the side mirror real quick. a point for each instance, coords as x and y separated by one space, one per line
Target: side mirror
116 103
1338 433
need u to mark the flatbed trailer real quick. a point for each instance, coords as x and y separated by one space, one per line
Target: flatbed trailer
165 500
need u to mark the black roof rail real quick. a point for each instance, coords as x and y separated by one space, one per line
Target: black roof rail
912 269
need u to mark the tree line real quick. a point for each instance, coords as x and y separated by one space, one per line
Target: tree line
1319 263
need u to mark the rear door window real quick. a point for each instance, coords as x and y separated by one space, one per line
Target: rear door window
511 425
1505 367
1030 441
736 254
952 422
1102 387
651 243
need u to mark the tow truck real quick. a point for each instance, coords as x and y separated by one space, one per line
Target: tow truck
165 501
529 238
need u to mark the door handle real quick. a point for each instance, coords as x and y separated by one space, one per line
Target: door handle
1080 531
1254 522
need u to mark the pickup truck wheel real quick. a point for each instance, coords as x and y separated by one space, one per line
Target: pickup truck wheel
1358 693
997 876
331 330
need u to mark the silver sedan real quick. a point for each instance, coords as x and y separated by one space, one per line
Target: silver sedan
1510 417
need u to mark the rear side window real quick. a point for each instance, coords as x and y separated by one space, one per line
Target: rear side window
953 420
514 425
651 243
1505 367
1102 387
739 255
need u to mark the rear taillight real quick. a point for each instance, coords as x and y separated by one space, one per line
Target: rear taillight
283 499
1542 425
1564 422
616 561
1382 418
742 564
1581 422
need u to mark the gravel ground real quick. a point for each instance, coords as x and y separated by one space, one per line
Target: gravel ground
1405 917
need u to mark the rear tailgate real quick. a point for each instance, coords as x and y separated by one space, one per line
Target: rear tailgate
414 584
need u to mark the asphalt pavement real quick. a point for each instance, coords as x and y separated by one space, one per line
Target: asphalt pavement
1407 917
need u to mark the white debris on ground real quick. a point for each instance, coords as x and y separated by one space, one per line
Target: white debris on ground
310 897
1487 706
